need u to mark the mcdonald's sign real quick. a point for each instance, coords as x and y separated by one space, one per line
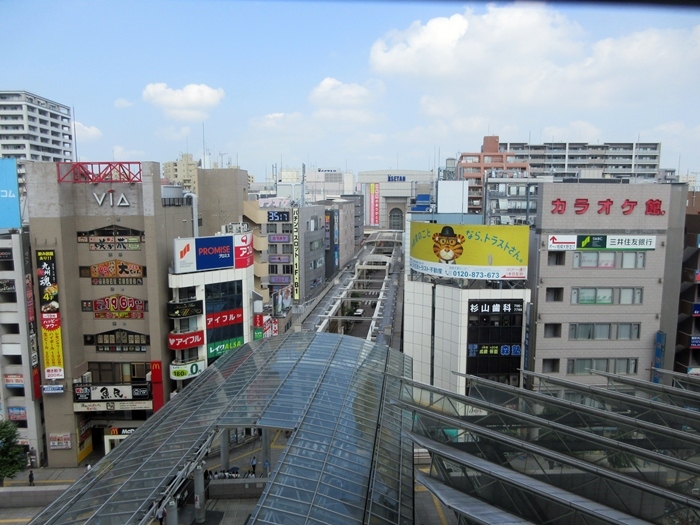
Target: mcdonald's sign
156 372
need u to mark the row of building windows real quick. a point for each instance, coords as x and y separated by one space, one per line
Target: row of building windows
604 259
594 331
601 295
583 366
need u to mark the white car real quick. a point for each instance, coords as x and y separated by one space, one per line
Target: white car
359 312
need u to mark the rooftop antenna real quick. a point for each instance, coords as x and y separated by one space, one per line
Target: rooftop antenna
75 135
204 150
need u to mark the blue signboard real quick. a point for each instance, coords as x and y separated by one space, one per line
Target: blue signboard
696 310
9 195
695 341
214 252
659 352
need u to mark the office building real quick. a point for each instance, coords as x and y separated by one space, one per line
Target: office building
101 236
288 244
605 270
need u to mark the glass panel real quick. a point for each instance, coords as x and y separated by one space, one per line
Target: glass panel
602 331
626 295
629 259
585 331
604 296
600 364
589 259
586 296
606 260
624 330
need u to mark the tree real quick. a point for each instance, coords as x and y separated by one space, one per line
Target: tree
12 457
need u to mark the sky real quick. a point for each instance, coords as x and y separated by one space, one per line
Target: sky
355 85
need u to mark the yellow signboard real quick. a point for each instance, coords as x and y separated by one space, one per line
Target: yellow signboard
470 251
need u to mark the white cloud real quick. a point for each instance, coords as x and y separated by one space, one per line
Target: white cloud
577 131
84 132
122 154
191 103
333 92
173 133
529 54
122 103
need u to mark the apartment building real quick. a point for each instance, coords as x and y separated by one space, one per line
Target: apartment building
633 160
182 172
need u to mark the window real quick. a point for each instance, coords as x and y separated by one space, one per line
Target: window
272 248
625 366
592 296
555 295
272 269
396 219
552 330
271 228
315 245
556 258
287 248
583 366
633 259
630 296
550 366
286 228
287 268
607 259
628 331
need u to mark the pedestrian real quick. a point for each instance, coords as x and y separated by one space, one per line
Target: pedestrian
266 465
88 468
160 515
253 462
31 478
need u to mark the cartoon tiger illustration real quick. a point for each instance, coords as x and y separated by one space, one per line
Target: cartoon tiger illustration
447 246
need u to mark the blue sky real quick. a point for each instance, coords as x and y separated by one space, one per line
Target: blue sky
355 85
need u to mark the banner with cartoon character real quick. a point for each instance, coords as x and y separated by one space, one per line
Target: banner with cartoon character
50 316
470 251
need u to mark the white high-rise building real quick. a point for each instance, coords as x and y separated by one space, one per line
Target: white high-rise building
34 128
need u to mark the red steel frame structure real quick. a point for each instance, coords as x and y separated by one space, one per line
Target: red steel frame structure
93 172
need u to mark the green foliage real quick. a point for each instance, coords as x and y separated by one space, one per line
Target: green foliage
12 457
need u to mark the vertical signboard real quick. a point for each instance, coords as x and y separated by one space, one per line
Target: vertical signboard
31 318
295 244
50 316
243 250
659 352
9 195
336 239
374 204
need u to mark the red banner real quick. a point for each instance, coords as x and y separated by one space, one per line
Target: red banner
184 341
228 317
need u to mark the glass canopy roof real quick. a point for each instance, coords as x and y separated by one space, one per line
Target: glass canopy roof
345 460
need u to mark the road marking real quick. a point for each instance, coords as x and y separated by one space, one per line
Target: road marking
16 520
438 507
41 482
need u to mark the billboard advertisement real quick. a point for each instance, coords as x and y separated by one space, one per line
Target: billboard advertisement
374 204
187 370
244 250
295 249
282 300
601 242
9 195
203 253
470 251
186 340
50 316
